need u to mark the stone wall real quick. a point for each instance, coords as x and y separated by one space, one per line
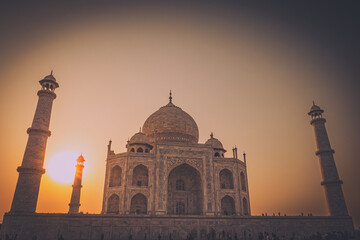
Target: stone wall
97 227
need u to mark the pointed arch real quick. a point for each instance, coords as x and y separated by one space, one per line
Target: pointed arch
189 200
138 204
245 206
242 181
140 176
113 204
226 179
115 176
227 205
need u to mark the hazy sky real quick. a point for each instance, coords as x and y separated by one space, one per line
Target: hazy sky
247 72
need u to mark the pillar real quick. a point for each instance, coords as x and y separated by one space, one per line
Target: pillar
331 181
31 169
75 196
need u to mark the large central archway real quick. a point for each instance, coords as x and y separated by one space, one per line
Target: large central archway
185 195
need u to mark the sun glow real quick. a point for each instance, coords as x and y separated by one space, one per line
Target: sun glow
61 166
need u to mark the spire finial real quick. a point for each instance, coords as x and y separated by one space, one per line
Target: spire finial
211 135
313 103
170 97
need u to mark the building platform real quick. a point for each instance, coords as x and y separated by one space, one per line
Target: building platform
45 226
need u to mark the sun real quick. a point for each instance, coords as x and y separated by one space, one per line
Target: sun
61 166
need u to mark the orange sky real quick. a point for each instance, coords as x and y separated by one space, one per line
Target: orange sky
251 83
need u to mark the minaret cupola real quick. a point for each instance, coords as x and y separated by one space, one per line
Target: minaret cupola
315 111
219 150
49 82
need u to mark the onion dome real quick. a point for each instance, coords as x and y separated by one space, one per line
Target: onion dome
215 143
139 139
315 110
171 123
80 159
49 79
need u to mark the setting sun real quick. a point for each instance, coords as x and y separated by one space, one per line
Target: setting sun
61 166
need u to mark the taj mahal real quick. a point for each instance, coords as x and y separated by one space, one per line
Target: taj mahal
167 185
166 171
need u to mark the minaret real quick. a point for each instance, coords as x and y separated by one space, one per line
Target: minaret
109 148
31 169
75 196
331 182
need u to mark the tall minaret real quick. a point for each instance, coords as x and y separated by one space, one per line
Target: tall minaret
331 182
31 169
75 196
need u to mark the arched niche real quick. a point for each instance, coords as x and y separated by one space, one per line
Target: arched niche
115 176
227 206
188 201
245 207
138 204
226 179
113 204
140 176
242 181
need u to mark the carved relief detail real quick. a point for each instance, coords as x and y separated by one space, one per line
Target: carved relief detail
173 162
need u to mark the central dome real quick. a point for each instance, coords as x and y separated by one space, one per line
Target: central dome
171 124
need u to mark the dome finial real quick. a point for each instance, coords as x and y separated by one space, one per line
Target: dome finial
170 97
140 130
211 135
51 73
313 103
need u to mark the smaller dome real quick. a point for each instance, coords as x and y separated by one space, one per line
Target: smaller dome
80 159
315 109
139 138
50 77
214 142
